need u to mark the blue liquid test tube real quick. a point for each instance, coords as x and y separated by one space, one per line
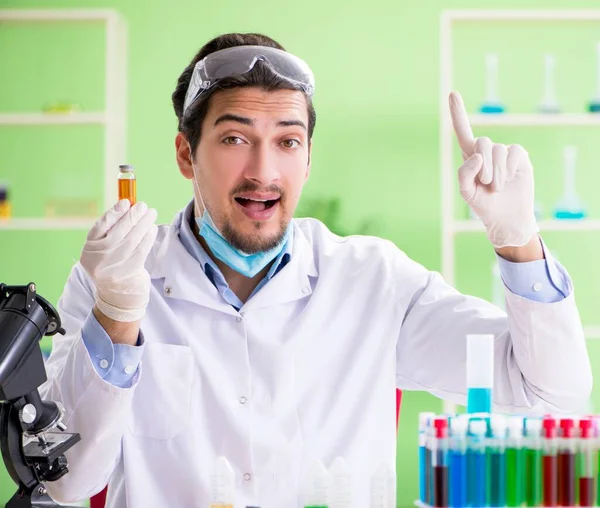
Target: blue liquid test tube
476 464
492 103
458 461
424 419
480 373
594 104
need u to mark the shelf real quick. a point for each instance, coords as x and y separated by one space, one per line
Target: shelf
592 332
473 226
44 223
52 118
535 120
522 15
57 15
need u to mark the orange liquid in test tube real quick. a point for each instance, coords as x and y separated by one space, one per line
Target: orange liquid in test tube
127 190
127 184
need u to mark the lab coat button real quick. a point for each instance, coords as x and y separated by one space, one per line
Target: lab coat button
537 286
129 369
168 290
104 363
247 477
243 400
238 319
306 290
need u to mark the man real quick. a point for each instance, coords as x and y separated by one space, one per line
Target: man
238 332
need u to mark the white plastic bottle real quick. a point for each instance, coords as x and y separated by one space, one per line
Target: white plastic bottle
222 485
317 487
383 492
341 484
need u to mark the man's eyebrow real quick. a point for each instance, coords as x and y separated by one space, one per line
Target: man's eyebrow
291 123
234 118
228 117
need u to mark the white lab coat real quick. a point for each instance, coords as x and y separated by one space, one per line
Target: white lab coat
306 370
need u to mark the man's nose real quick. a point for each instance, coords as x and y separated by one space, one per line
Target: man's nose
262 167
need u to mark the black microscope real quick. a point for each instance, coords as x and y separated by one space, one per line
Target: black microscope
32 437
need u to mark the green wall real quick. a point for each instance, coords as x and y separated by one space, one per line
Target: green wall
376 141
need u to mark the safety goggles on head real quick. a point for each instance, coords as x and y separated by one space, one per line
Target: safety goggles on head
240 60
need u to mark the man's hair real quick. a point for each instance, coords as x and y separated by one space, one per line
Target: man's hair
260 76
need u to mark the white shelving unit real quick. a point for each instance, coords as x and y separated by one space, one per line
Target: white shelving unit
450 226
113 118
33 224
470 226
535 120
592 332
53 118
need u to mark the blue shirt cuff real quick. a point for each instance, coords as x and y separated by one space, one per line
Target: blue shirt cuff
544 280
117 364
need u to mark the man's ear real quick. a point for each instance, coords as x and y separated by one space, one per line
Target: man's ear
184 156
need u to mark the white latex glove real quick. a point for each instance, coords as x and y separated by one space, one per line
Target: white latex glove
496 181
114 255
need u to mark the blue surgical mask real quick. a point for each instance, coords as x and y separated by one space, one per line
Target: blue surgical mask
246 264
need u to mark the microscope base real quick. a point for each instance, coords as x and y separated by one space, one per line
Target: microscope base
35 499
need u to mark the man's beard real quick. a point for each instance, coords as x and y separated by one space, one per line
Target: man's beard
253 243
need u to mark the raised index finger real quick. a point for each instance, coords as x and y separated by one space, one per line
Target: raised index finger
462 127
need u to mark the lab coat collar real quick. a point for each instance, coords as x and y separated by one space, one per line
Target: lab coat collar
185 279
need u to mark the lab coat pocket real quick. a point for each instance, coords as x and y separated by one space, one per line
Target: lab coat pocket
162 400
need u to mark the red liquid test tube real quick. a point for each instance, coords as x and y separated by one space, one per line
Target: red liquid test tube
549 462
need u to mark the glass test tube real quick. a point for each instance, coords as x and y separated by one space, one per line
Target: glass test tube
587 463
492 103
567 449
497 462
549 101
429 481
515 462
476 464
480 373
439 457
550 462
596 425
127 183
458 461
598 71
424 479
5 208
491 65
533 462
